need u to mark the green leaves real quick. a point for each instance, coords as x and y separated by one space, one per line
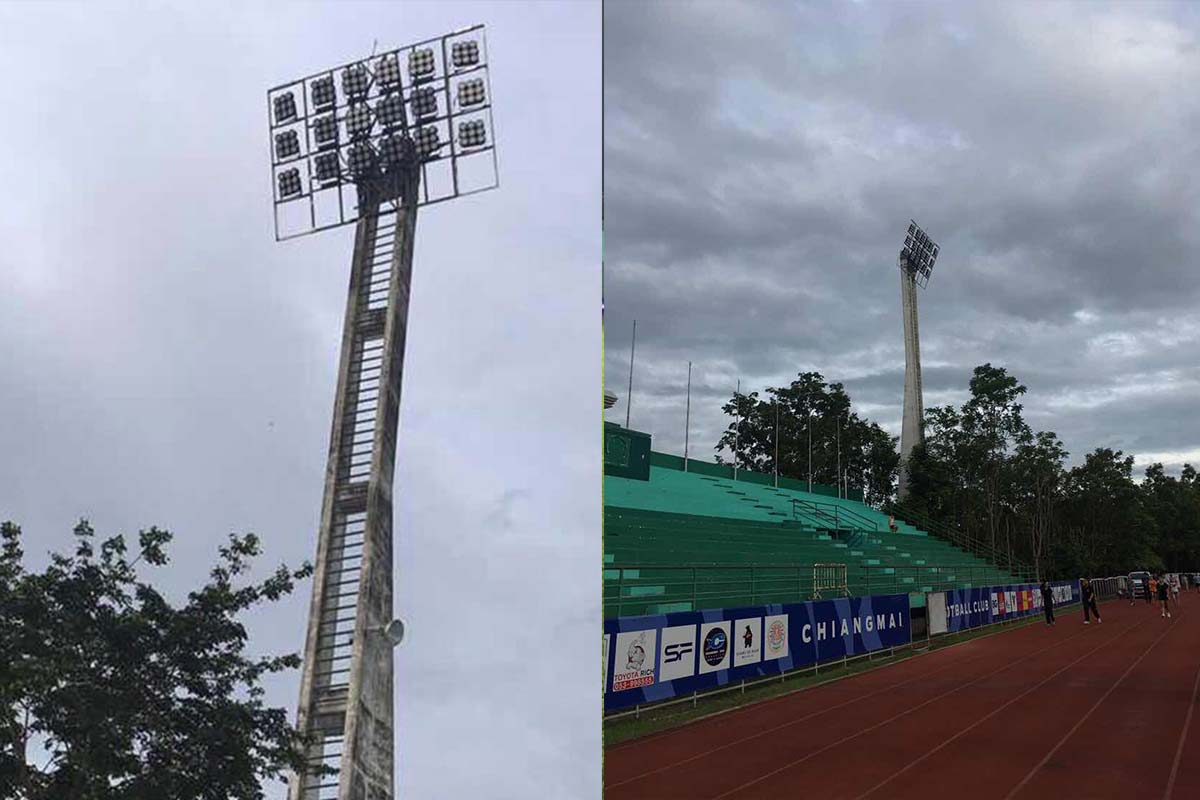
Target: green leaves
985 472
810 409
133 697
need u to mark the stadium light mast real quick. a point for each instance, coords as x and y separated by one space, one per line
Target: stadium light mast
368 143
916 260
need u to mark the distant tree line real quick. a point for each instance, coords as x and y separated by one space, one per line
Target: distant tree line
984 472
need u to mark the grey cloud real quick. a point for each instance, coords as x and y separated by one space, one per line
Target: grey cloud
761 164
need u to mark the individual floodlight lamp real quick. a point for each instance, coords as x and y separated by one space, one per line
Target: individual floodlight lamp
465 54
289 182
287 144
387 71
471 93
285 108
434 94
395 151
361 159
472 133
327 167
323 95
370 150
421 63
426 141
325 131
355 81
358 121
390 110
424 103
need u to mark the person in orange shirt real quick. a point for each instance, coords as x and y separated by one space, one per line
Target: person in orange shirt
1153 587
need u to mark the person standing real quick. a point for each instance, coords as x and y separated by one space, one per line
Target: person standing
1153 593
1088 595
1163 598
1048 602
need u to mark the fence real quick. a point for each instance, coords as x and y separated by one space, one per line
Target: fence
829 578
1109 588
636 589
971 544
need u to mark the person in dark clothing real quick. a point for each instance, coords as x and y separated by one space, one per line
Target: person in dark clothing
1164 597
1048 602
1088 595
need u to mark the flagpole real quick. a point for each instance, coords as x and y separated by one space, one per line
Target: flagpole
687 418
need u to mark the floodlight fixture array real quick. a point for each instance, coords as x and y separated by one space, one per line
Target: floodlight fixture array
918 254
435 92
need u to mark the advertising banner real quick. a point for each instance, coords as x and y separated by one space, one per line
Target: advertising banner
973 607
661 656
967 608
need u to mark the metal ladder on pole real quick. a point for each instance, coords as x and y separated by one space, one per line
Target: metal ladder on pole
347 680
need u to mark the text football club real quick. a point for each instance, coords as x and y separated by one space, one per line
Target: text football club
970 608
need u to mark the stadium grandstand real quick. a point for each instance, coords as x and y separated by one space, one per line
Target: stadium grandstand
690 537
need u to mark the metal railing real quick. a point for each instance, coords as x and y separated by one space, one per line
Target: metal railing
831 516
829 578
1109 588
635 589
974 545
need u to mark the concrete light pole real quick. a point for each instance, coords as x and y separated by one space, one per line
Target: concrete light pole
348 155
916 265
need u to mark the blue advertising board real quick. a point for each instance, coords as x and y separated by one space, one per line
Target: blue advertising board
657 657
968 608
971 608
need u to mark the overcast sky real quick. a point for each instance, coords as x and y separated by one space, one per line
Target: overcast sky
762 161
163 361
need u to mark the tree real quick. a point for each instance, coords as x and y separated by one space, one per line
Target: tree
1038 474
109 692
992 424
1106 521
809 409
983 471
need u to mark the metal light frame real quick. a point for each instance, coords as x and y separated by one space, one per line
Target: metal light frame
336 202
918 254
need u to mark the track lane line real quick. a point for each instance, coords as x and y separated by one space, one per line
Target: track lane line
764 732
905 713
989 715
1187 722
1046 759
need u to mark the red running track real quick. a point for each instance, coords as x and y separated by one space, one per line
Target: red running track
1074 711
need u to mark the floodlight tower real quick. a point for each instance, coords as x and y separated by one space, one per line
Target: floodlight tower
369 143
916 265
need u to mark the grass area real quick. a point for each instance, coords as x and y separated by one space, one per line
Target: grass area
664 717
